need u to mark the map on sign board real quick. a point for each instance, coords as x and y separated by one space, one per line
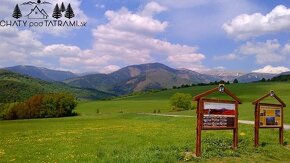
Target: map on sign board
219 114
270 116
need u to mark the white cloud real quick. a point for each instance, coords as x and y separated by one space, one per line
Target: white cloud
126 21
110 68
61 50
265 52
202 19
101 6
152 8
189 61
129 38
17 46
272 70
246 26
228 57
286 49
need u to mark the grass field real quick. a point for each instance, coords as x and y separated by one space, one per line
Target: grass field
119 134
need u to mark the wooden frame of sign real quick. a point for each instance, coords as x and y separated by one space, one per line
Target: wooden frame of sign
269 116
216 114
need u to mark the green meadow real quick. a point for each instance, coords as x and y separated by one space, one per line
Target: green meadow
118 131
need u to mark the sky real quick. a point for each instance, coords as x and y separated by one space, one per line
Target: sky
200 35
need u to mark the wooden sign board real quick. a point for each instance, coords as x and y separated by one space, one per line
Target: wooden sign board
216 114
270 116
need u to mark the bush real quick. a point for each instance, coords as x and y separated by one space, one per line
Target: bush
181 101
42 106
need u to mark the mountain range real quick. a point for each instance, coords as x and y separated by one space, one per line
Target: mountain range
140 78
137 77
42 73
252 77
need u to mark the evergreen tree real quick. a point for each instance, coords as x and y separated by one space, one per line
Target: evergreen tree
17 13
222 82
62 7
69 12
56 12
263 80
236 81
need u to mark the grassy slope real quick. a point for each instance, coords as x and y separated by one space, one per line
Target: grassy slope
130 137
16 87
160 100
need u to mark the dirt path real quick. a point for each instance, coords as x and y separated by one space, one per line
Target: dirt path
286 126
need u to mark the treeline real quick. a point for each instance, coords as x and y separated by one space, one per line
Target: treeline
282 78
40 106
205 84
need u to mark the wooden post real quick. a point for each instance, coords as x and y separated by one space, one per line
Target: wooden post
198 129
235 130
281 129
257 121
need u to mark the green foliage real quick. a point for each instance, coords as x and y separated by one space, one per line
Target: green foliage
263 80
3 107
42 106
181 101
281 78
17 88
235 81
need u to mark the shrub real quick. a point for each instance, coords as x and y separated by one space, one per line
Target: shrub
42 106
181 101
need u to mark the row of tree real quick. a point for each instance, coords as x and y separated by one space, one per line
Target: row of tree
57 12
41 106
205 84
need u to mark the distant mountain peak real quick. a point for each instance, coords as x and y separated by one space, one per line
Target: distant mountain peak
226 75
42 73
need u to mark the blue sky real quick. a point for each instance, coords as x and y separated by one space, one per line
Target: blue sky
201 35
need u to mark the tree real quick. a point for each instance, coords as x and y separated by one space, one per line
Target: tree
62 7
263 80
17 13
181 101
222 82
56 12
236 81
69 12
42 106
